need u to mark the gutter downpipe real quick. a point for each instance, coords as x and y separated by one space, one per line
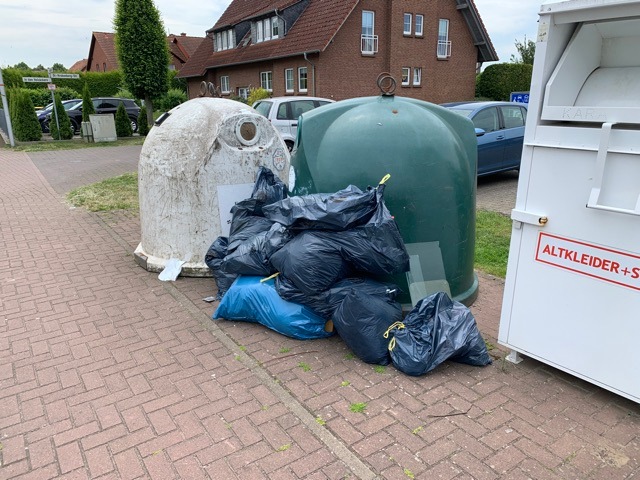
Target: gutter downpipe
313 74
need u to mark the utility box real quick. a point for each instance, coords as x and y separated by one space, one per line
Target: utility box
103 126
572 292
198 160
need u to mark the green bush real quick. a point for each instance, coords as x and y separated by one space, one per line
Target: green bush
257 94
87 104
143 124
499 80
177 83
238 98
172 98
26 127
65 131
123 124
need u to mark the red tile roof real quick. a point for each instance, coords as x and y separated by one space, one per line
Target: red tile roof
182 46
312 32
240 10
79 66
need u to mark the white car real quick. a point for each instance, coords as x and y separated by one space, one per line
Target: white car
283 113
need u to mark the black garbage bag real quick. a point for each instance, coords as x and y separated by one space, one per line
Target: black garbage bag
268 187
213 258
312 261
247 221
324 303
252 256
376 247
338 211
361 320
437 329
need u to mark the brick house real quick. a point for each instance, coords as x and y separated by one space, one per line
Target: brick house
337 48
103 58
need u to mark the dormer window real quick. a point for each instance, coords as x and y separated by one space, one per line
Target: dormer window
266 29
225 40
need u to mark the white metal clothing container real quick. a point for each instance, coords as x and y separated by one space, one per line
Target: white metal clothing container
572 294
201 159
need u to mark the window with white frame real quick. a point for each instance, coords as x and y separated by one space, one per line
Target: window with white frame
259 32
266 29
417 76
406 74
243 92
368 39
407 24
224 84
419 25
444 45
288 80
224 40
266 81
302 79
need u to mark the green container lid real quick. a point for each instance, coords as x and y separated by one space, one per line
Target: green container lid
430 153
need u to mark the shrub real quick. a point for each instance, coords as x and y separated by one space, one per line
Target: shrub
64 124
257 94
26 126
87 104
143 123
177 83
238 98
123 124
172 98
499 80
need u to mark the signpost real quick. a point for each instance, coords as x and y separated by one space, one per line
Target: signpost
6 110
51 87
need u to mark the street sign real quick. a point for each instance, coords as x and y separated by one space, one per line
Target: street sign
64 75
51 86
520 97
36 79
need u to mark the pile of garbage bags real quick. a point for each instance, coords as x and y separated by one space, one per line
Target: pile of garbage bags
305 266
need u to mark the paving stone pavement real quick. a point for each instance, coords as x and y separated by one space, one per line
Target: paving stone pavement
108 373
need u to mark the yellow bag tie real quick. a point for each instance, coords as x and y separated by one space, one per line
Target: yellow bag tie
262 280
384 179
399 326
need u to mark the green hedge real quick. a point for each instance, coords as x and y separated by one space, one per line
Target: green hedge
101 84
42 97
497 81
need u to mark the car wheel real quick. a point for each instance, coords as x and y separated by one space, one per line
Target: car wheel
289 144
75 128
45 127
134 125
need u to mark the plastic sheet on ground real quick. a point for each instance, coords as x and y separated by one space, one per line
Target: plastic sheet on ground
437 329
251 300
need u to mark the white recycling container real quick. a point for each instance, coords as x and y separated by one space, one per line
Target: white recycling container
572 293
197 161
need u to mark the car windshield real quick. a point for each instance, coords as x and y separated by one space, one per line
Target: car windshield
263 108
463 112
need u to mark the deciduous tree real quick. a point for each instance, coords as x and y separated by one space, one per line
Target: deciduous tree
141 46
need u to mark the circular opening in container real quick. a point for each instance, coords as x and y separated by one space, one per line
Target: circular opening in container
247 132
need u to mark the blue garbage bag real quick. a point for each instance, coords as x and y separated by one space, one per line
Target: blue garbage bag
251 300
437 329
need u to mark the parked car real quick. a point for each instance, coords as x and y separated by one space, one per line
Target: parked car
103 105
283 113
499 130
42 114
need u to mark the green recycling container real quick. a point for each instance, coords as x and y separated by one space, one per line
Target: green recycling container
431 155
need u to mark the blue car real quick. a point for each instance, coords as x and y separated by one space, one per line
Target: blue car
500 133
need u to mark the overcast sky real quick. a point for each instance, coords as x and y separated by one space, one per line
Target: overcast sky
59 31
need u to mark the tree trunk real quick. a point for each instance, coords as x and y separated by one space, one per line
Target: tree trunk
149 104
